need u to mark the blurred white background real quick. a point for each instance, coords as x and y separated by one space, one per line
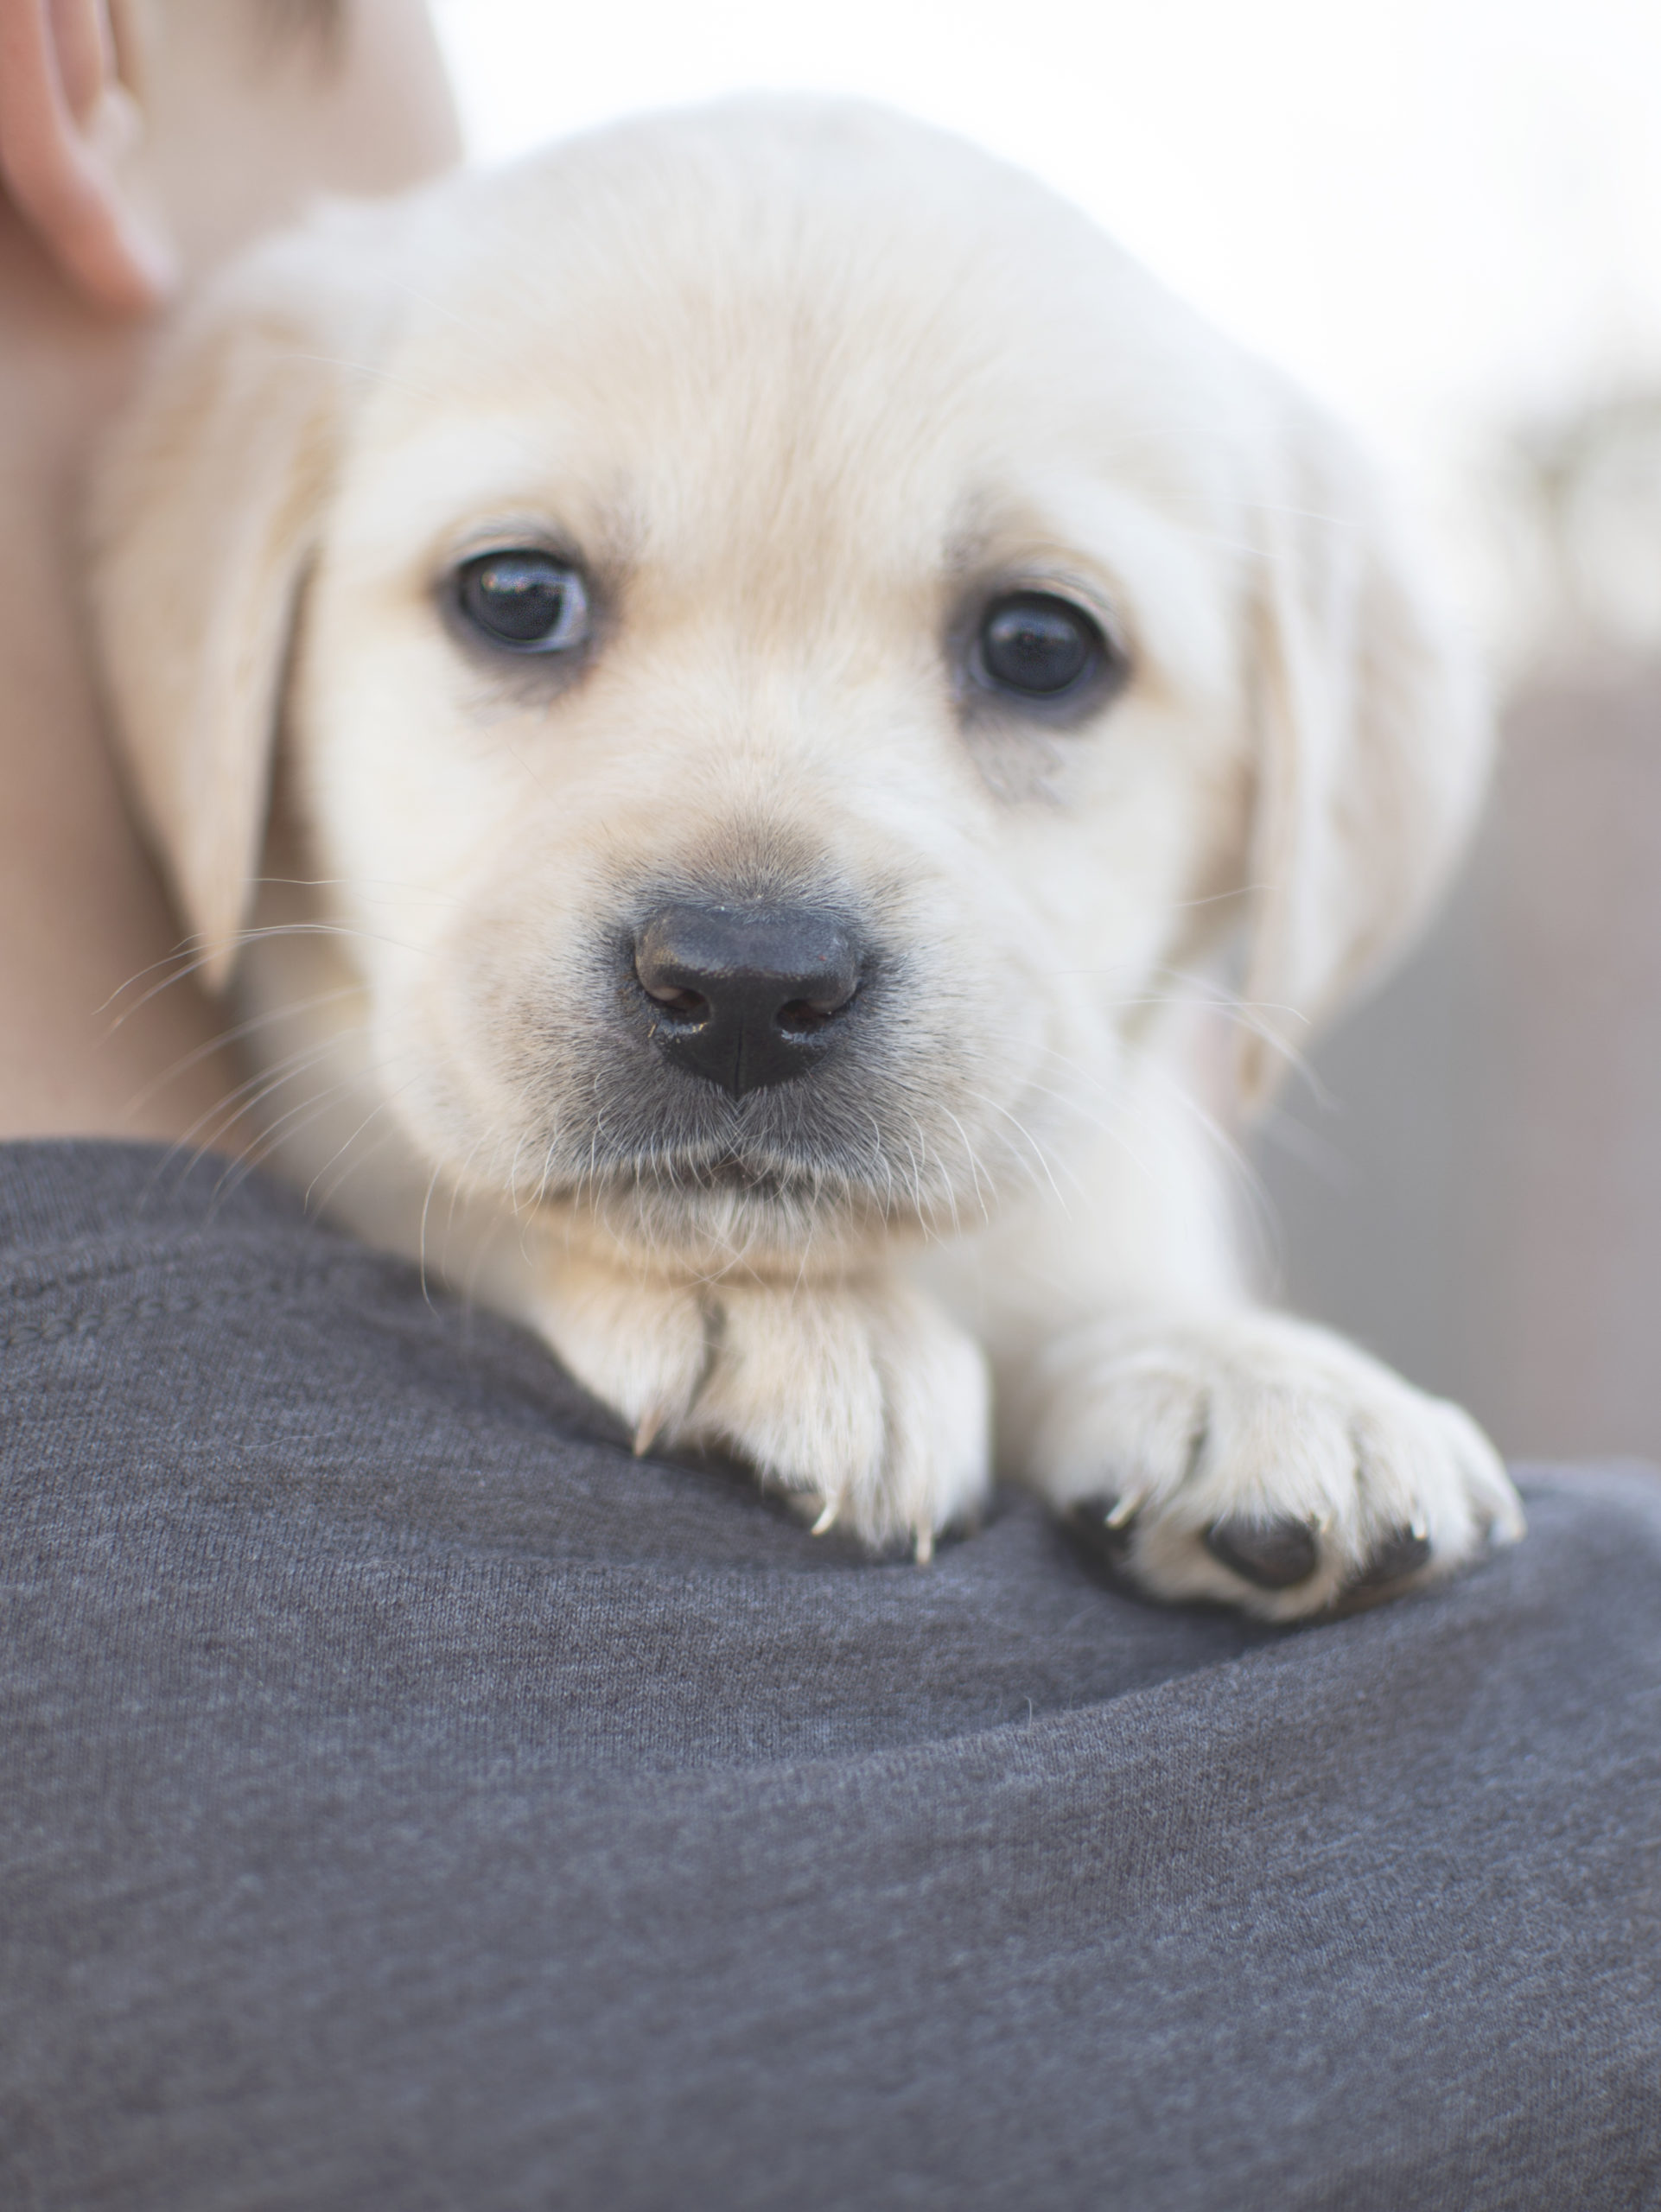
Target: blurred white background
1445 217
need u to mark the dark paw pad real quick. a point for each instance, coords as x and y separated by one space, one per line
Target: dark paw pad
1397 1557
1275 1555
1103 1528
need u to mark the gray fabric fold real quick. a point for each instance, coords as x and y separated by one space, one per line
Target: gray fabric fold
413 1801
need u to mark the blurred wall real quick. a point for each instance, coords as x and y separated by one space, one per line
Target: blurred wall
1475 1189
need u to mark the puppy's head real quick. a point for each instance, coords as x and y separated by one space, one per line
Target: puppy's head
786 647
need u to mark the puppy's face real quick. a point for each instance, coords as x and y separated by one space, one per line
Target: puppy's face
779 691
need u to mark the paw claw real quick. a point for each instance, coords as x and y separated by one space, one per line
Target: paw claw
827 1520
1397 1557
1273 1554
646 1434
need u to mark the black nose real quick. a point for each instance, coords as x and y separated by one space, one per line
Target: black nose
745 995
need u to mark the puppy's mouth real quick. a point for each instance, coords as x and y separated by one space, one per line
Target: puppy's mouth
759 1179
715 1194
767 1181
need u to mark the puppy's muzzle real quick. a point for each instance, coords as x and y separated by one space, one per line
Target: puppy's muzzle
746 996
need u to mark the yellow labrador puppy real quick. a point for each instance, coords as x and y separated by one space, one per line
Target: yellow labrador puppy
729 698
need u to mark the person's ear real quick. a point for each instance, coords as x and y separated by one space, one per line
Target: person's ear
1373 744
67 121
206 516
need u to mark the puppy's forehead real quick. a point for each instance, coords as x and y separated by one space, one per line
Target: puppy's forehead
810 320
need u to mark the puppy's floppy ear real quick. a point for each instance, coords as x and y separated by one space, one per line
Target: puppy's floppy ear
206 511
1372 743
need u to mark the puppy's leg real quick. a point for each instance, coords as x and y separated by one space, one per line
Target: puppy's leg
1213 1449
858 1397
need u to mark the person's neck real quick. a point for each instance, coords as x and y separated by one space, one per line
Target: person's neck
80 914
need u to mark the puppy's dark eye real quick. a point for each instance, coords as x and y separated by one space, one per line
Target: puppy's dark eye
525 601
1037 647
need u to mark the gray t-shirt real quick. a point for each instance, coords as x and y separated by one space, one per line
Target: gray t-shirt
412 1800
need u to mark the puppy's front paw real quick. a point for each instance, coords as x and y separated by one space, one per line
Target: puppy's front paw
859 1399
1260 1461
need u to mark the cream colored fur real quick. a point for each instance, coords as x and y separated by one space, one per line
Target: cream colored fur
799 382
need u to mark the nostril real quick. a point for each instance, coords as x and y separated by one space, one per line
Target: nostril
802 1017
689 1008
